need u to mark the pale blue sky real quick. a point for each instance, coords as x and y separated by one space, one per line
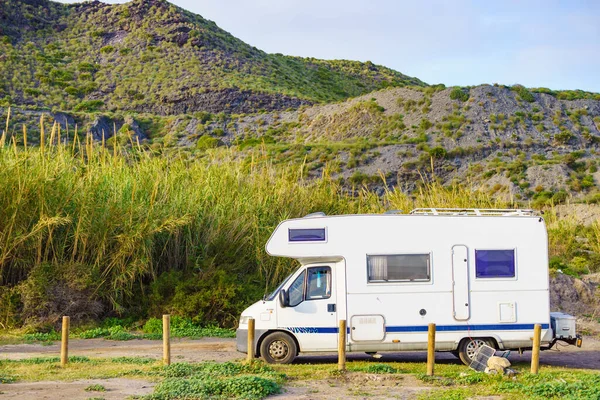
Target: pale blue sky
548 43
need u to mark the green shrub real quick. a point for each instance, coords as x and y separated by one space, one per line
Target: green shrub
523 93
207 142
153 325
89 105
425 124
459 94
87 67
438 152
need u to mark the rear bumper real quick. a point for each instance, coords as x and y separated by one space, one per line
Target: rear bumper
241 339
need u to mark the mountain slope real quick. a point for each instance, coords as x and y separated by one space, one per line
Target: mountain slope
151 56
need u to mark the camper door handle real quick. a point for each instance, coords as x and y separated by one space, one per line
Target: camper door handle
330 307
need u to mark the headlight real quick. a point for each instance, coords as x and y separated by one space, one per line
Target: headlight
244 320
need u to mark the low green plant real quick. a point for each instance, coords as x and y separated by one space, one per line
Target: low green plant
132 360
7 379
94 333
95 388
41 336
380 369
247 387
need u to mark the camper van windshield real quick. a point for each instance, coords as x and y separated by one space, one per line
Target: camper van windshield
274 292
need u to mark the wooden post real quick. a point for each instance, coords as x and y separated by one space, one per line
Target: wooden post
535 353
167 339
64 344
342 345
430 349
250 356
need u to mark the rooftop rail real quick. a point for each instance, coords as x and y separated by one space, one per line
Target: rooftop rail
475 211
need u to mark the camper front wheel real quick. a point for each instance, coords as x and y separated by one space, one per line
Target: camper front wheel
468 347
278 348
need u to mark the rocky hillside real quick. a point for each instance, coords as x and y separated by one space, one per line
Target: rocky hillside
151 56
521 144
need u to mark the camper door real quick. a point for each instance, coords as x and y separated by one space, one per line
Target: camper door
311 313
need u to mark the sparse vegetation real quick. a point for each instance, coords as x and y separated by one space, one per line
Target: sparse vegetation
523 93
459 94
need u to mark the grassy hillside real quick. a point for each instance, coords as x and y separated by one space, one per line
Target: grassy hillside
152 56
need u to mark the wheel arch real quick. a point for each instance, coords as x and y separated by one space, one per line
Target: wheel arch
267 333
494 338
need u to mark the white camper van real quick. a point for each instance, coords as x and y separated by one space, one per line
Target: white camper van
480 275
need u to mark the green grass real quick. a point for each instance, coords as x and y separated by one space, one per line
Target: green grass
257 380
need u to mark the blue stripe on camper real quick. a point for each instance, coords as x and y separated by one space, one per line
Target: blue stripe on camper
311 329
450 328
423 328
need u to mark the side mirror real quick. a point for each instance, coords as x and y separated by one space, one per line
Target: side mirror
284 298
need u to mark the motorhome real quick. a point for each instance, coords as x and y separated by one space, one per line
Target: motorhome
480 275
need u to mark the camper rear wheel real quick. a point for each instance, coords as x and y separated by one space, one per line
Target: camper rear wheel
278 348
468 347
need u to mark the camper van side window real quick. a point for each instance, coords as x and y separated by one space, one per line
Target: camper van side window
319 283
495 263
399 268
296 291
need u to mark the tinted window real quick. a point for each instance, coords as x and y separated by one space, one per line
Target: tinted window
494 263
399 267
307 235
319 283
296 291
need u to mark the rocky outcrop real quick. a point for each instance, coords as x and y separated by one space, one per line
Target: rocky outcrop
231 101
575 296
103 128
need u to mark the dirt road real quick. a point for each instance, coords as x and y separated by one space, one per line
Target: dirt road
221 350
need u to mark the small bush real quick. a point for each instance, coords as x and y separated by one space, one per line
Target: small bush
438 152
459 94
523 93
207 142
153 325
89 105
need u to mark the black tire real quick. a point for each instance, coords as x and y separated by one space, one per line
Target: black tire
278 348
468 347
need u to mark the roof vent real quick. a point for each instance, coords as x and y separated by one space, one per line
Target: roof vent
315 215
394 212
